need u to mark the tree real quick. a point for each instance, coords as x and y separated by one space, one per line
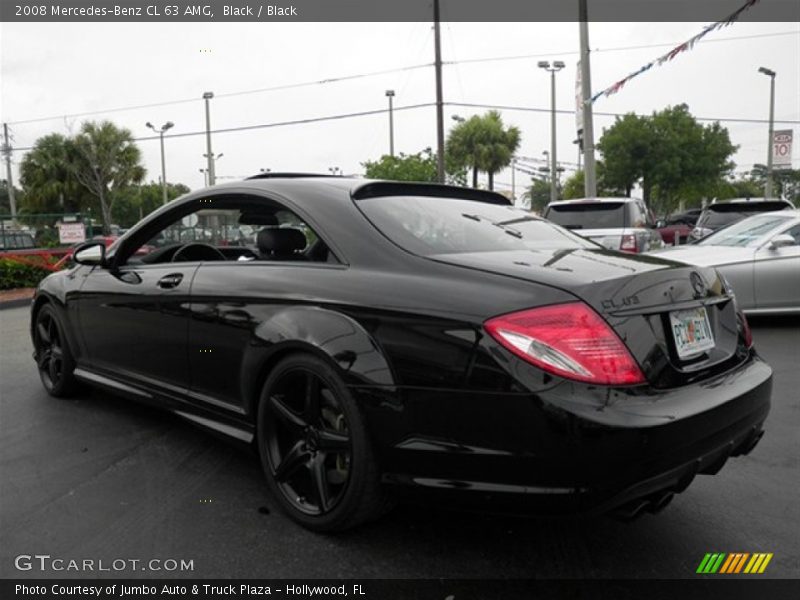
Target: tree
538 195
5 201
483 144
669 153
786 182
106 160
135 202
574 186
47 177
403 167
421 166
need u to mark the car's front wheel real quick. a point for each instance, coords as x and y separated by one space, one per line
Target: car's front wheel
53 357
315 449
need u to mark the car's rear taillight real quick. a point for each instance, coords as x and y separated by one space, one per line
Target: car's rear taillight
570 340
628 243
748 335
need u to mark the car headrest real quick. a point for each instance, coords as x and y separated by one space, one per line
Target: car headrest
280 241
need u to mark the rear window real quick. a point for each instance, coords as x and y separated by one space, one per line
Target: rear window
589 215
720 215
429 226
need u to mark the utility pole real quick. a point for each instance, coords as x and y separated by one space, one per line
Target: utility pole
771 74
589 173
439 102
7 152
390 95
210 155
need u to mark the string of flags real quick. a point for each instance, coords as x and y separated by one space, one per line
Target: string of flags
687 45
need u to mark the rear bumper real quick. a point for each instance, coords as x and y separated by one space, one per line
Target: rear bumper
574 448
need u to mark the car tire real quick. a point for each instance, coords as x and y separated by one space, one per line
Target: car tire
54 359
314 447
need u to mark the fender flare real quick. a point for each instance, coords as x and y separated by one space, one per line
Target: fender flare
331 335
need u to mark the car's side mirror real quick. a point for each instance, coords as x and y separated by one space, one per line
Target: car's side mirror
781 241
90 253
661 223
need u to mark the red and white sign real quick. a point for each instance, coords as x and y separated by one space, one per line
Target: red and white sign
782 148
71 233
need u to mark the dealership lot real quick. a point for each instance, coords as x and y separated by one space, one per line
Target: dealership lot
100 478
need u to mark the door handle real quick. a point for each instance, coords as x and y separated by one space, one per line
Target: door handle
170 281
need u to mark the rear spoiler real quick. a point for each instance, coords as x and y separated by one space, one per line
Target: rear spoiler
378 189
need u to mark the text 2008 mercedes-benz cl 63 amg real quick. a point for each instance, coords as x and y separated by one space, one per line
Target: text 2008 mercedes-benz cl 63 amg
373 339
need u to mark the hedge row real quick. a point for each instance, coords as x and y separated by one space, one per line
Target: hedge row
17 275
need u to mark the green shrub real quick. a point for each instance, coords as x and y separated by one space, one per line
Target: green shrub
14 274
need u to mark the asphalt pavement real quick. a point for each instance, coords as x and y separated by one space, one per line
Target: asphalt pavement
98 477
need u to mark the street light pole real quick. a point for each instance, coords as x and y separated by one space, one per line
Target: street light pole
160 133
555 68
212 180
771 74
390 95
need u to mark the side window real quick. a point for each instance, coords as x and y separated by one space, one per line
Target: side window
795 233
232 229
638 215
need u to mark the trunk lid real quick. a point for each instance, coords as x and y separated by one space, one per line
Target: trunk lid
636 295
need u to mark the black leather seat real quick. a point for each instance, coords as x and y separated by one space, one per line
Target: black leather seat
283 243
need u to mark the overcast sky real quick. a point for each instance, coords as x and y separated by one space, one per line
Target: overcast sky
51 70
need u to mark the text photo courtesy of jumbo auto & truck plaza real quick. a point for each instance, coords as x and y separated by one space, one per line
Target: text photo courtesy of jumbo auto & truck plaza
437 299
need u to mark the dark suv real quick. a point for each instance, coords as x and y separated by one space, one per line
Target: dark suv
721 214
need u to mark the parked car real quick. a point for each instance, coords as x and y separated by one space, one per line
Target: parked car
721 214
676 228
426 339
16 240
759 256
622 224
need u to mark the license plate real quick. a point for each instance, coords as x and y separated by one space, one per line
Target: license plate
691 331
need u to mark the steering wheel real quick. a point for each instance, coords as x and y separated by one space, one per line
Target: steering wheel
195 251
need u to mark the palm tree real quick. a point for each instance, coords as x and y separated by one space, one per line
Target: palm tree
106 161
498 145
483 144
46 177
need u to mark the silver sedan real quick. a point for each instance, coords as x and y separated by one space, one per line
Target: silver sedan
760 258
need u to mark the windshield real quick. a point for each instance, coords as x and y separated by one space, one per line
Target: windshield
588 215
430 226
745 233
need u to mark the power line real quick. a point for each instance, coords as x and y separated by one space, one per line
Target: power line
612 49
378 73
229 94
364 113
610 114
405 108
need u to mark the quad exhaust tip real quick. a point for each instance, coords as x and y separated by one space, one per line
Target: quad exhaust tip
652 504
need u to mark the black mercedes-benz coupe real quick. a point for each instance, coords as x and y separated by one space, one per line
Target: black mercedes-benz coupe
373 339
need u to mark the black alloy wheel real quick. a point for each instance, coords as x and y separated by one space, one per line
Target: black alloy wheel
53 358
314 447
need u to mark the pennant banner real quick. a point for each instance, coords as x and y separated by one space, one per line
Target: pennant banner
687 45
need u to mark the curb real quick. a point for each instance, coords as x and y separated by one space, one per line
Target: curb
16 298
15 303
